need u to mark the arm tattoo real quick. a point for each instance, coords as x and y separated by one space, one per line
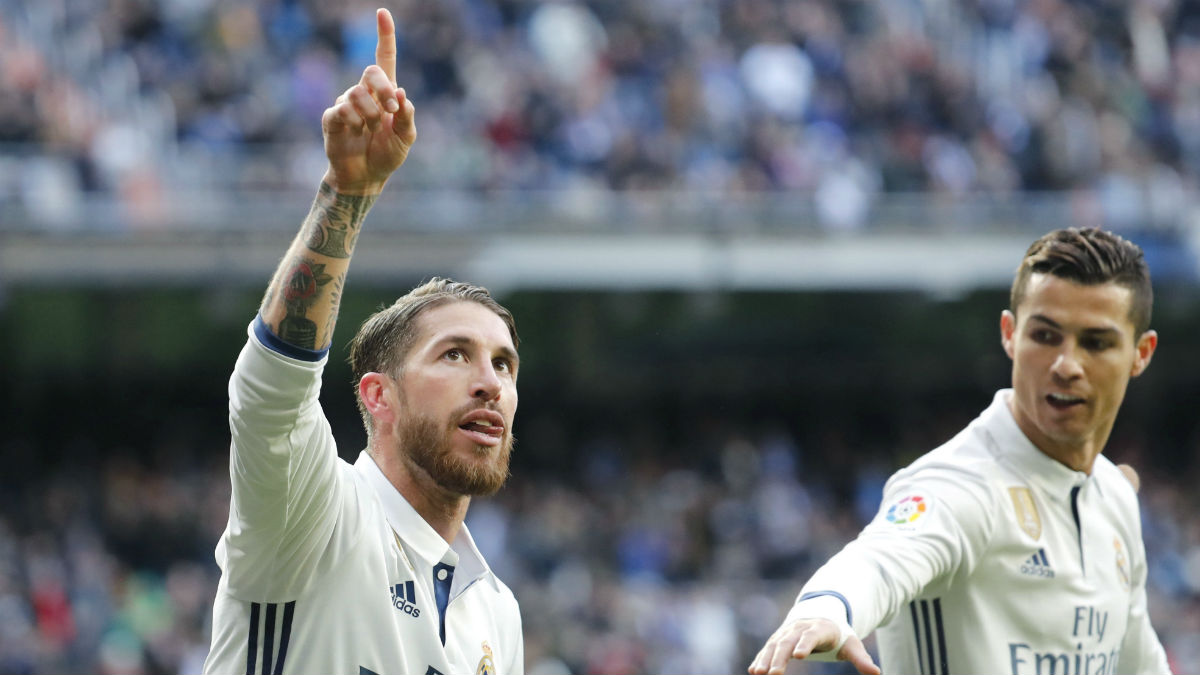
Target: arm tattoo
333 223
335 297
300 288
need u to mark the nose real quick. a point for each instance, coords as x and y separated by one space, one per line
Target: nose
487 385
1066 366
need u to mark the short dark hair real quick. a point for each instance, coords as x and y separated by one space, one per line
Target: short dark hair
1091 257
385 338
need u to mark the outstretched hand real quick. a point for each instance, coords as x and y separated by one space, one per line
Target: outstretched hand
370 128
800 638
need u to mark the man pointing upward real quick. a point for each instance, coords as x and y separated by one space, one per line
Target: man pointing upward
365 569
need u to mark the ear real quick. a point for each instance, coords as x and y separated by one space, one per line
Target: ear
374 390
1008 329
1146 345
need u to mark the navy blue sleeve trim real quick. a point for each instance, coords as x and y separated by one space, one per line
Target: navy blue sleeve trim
839 596
273 342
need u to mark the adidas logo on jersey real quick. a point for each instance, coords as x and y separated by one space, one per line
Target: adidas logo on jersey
404 598
1038 565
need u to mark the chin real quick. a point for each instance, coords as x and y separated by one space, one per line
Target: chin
1068 436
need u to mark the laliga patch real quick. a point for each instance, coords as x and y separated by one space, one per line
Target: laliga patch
908 512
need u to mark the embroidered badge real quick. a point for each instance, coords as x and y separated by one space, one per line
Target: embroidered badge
1027 513
487 664
907 510
1122 563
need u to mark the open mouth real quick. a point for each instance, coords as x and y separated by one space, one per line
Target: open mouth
483 427
1063 401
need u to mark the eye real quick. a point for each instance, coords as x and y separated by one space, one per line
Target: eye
455 354
502 365
1095 344
1044 336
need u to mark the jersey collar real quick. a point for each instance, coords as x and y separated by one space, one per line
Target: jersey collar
419 535
1011 445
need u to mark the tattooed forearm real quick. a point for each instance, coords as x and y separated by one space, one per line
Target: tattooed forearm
302 302
300 284
335 299
333 223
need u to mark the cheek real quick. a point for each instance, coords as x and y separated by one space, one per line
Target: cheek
1024 363
1114 385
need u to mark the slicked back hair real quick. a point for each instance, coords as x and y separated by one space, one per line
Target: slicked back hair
387 336
1090 257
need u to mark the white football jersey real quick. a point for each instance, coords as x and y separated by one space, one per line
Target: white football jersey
326 568
988 556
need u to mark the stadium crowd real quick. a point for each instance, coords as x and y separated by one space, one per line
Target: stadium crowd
657 556
644 560
842 100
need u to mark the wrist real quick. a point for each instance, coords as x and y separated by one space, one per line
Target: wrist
357 188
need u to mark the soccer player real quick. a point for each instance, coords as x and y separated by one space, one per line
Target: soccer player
329 567
1016 547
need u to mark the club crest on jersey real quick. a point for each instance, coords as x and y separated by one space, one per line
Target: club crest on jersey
1122 563
907 510
1028 517
487 664
404 598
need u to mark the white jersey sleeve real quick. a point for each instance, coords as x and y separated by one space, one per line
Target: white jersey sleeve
988 556
933 524
1141 650
283 466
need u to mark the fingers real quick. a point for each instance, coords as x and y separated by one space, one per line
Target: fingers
787 643
375 94
403 123
382 89
800 639
762 662
385 46
854 652
362 105
353 111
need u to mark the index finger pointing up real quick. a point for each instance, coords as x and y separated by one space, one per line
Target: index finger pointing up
385 47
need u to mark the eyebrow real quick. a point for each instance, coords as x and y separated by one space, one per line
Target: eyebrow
464 341
1057 326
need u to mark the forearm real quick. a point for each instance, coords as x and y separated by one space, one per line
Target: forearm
302 301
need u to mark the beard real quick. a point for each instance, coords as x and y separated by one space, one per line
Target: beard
428 446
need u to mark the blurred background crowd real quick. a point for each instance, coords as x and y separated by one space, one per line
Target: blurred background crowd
677 475
845 99
661 555
676 478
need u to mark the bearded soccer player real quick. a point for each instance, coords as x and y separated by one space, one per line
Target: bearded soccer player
329 567
1016 547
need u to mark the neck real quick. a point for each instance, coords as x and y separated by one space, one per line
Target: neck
443 510
1077 455
1076 458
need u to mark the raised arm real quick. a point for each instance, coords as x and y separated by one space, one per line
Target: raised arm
368 132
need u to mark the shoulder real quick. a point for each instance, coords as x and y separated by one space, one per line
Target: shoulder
503 594
962 464
503 606
955 480
1115 485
